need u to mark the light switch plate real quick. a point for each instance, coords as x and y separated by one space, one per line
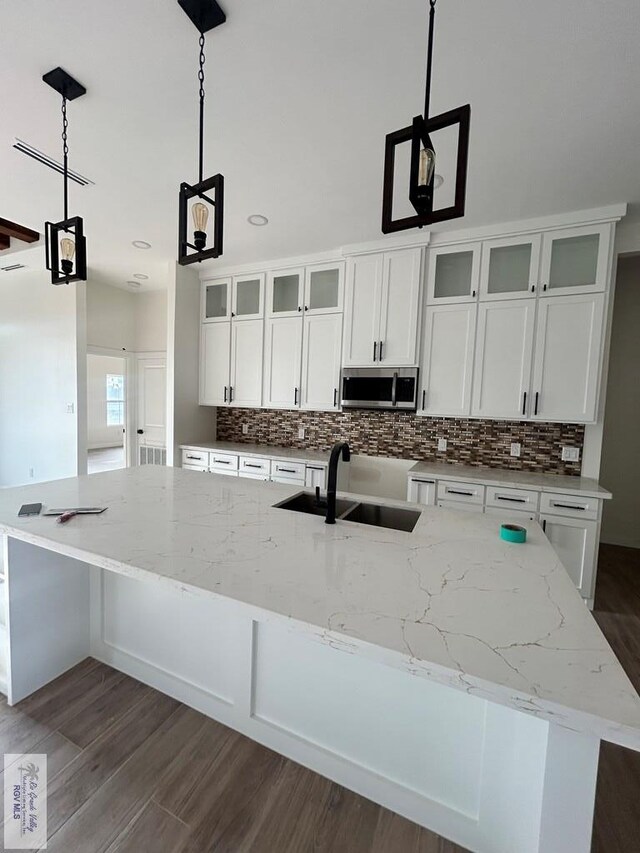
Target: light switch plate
570 454
245 429
301 432
515 448
442 444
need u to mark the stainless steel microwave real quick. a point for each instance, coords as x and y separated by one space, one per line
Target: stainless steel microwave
380 388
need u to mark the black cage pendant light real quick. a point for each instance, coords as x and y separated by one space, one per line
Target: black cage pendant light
66 247
423 159
204 200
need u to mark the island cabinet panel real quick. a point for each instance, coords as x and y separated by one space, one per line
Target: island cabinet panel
575 541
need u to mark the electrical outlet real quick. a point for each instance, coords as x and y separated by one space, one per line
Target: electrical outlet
300 432
245 429
570 454
515 448
442 444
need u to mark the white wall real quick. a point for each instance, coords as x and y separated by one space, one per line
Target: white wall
620 470
151 321
98 433
111 317
186 420
40 326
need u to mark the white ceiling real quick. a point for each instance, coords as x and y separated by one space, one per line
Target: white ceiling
300 95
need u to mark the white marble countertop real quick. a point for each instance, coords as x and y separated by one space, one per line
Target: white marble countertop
539 482
288 454
450 602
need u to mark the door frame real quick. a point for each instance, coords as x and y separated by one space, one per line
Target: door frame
130 402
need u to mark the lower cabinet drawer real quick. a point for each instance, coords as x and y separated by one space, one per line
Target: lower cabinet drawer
254 465
195 457
201 468
224 472
507 514
470 493
223 461
569 505
289 481
247 476
293 470
463 507
519 499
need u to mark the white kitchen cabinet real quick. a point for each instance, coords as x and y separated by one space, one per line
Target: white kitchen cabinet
246 363
324 288
502 371
575 541
282 362
381 309
285 293
255 467
421 490
509 268
508 515
315 477
461 507
215 360
248 296
215 300
321 359
576 260
453 273
291 471
567 358
446 365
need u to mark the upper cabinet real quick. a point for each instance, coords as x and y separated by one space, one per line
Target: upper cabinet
575 260
509 268
285 293
216 300
446 365
248 297
382 309
323 289
453 273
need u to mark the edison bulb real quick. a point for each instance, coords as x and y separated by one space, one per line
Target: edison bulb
426 167
200 213
67 251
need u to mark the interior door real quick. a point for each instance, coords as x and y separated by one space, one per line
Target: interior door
399 308
447 360
362 310
567 358
502 370
282 362
152 401
246 363
215 354
321 351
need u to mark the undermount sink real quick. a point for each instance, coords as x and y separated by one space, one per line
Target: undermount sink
305 502
376 515
392 517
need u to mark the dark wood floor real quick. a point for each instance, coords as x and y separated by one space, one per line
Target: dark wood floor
132 771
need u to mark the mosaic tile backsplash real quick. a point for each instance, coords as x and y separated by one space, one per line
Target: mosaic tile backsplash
406 436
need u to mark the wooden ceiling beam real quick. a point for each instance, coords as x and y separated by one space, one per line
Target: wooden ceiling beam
5 240
20 232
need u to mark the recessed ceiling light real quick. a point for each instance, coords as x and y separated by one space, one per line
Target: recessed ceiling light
141 276
257 219
133 283
141 244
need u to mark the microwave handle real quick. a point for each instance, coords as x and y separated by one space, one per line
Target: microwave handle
394 390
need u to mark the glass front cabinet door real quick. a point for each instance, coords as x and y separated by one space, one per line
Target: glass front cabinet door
575 260
509 268
248 297
216 300
454 274
323 288
285 293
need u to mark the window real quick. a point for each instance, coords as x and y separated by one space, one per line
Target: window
115 400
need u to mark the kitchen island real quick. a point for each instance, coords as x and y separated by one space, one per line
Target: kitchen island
450 676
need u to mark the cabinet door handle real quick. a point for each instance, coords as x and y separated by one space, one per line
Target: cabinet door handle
524 403
375 349
458 492
225 393
295 396
513 500
299 307
535 408
380 356
424 397
315 468
473 293
544 286
335 396
230 393
569 506
544 525
533 288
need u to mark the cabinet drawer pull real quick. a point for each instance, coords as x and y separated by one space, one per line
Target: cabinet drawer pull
288 470
252 465
568 506
535 410
222 461
544 525
197 458
513 500
295 396
230 393
380 355
430 482
315 468
424 398
335 396
524 403
225 393
460 492
375 349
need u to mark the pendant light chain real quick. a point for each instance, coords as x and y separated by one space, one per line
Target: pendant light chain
201 93
65 158
427 95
